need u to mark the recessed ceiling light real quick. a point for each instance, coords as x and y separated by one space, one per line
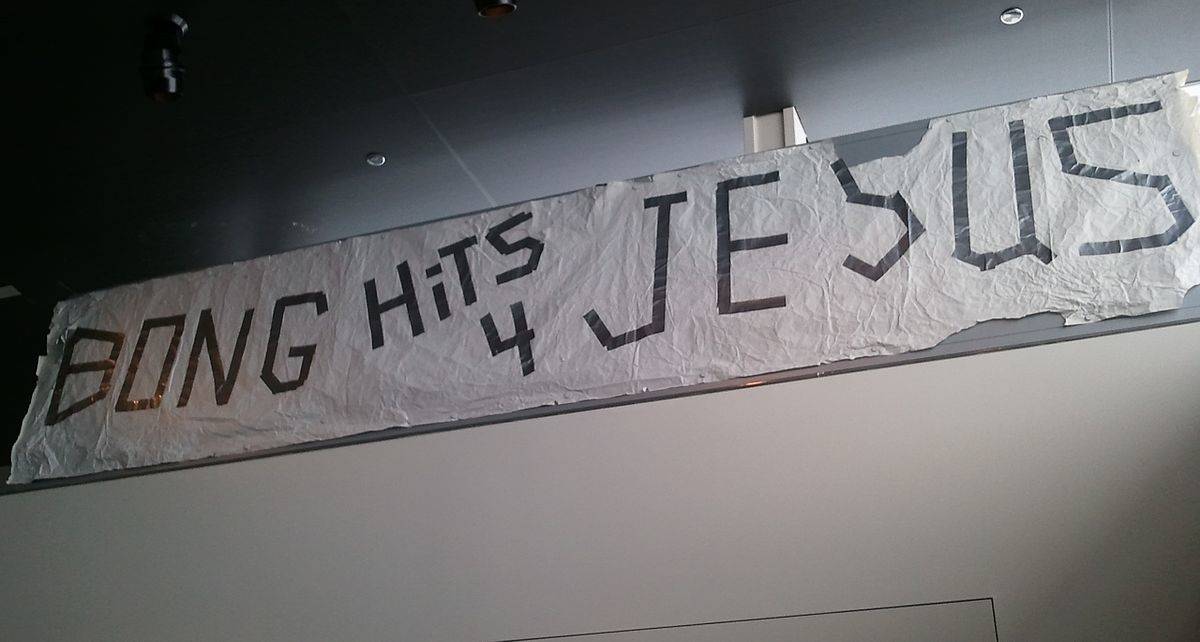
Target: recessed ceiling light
495 8
375 159
1012 15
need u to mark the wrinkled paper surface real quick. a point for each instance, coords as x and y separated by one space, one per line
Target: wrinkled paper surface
1087 215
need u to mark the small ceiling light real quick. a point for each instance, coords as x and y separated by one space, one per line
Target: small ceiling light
375 159
1012 15
495 8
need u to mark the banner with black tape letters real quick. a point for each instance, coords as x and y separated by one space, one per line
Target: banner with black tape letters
1080 203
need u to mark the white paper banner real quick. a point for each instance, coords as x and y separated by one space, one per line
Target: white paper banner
1079 203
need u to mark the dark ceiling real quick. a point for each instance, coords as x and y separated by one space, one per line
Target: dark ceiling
265 150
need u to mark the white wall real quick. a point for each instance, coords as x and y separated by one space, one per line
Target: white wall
1061 480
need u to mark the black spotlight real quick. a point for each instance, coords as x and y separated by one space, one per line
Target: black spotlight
162 72
495 8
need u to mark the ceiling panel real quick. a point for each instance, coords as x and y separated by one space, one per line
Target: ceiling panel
1156 36
852 66
249 66
263 153
250 195
648 106
434 44
677 99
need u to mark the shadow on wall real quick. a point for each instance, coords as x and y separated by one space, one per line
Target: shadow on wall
1133 538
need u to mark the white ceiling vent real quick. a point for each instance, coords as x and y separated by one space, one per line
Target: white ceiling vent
773 131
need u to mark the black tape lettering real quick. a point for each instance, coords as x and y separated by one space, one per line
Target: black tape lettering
440 302
305 353
913 228
726 246
495 236
439 292
407 298
522 338
458 250
69 367
1060 127
206 336
124 403
1028 243
658 300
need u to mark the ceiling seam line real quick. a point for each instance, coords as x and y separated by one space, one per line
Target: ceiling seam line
1112 68
462 164
453 153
